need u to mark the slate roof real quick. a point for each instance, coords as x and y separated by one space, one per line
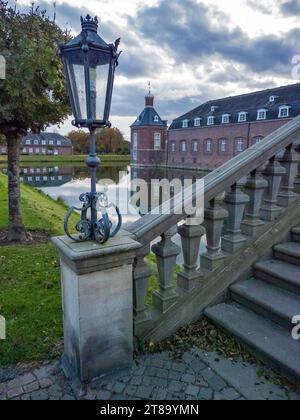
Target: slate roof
146 118
65 142
250 103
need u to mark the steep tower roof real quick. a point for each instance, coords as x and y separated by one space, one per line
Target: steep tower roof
149 116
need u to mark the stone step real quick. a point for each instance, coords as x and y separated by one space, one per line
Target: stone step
289 252
264 338
296 234
267 300
280 273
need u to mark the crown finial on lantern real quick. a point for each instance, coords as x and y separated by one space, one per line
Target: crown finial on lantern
89 23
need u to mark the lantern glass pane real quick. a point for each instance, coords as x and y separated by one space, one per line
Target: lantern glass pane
99 75
76 76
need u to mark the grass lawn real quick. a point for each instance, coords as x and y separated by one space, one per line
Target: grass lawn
68 159
30 291
30 296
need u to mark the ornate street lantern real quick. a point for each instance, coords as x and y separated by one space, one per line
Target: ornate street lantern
90 65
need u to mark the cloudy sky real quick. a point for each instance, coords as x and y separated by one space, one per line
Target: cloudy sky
191 50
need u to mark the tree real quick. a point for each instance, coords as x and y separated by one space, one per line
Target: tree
33 95
108 140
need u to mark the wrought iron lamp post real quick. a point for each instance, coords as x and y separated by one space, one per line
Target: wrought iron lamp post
90 65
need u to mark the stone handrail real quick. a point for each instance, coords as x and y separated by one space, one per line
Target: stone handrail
272 184
150 226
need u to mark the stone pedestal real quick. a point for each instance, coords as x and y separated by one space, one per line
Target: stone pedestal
97 289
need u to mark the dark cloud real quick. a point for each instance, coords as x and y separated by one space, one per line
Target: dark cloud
290 8
188 34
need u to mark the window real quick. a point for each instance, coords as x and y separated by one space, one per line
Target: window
261 114
242 116
197 122
223 145
37 150
195 146
284 112
183 146
58 143
239 145
213 108
272 99
27 142
30 150
173 147
44 151
225 119
51 142
157 141
24 150
135 140
156 119
44 142
36 142
257 140
208 146
210 120
185 123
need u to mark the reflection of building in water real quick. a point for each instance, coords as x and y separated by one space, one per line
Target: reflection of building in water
159 186
47 176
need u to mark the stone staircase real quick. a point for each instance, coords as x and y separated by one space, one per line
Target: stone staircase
260 310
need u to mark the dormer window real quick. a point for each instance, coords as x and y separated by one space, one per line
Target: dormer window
242 116
262 114
225 119
210 120
185 123
213 108
272 98
197 122
156 119
284 112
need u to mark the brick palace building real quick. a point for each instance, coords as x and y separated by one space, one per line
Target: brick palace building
44 144
214 132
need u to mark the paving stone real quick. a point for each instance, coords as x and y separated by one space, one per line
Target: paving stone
45 383
130 390
119 387
136 380
34 386
43 372
187 377
192 390
39 396
175 386
27 379
219 397
68 397
216 383
294 396
104 395
207 374
230 393
157 372
159 394
144 392
206 394
175 375
119 397
179 367
14 392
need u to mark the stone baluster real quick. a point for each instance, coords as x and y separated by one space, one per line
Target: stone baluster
297 180
236 202
141 277
166 255
273 173
289 162
214 220
254 188
191 235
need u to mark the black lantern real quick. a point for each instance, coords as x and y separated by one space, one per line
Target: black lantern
90 65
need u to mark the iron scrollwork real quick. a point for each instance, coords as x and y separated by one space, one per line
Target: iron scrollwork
102 229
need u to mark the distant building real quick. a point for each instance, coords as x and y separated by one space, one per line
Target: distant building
216 131
149 136
44 144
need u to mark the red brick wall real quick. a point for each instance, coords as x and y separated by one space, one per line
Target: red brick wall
249 132
146 155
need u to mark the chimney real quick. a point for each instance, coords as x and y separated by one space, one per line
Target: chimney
149 100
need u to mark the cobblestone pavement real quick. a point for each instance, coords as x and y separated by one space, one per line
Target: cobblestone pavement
196 376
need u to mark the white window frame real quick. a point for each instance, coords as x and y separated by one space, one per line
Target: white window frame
51 142
44 143
240 143
157 141
58 143
197 122
36 142
135 140
185 123
261 114
208 146
195 146
225 119
285 109
156 119
28 142
210 120
223 145
30 150
183 146
173 147
272 98
243 116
